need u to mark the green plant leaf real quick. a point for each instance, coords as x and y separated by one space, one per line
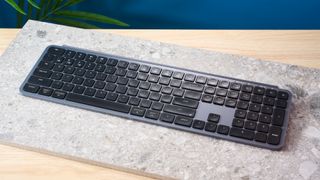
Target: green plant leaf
15 6
34 4
74 23
90 16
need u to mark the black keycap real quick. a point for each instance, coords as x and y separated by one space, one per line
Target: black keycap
144 68
101 94
99 85
68 87
112 62
211 127
132 91
133 66
123 64
260 137
110 70
201 80
167 117
271 93
253 116
247 88
121 89
212 82
110 87
40 81
80 56
121 72
233 94
238 122
79 89
192 95
207 98
142 76
265 118
254 107
98 103
88 82
100 68
274 135
178 92
77 80
218 100
143 94
281 103
278 117
164 81
267 109
42 73
263 127
240 114
133 83
268 101
179 110
197 124
222 92
222 129
250 125
166 99
209 90
79 64
283 95
189 77
131 74
102 60
70 54
89 91
153 79
242 133
224 84
166 73
183 121
152 114
31 88
155 96
257 99
178 75
112 78
213 117
91 58
258 90
59 94
245 96
192 86
58 67
155 70
231 103
67 78
157 106
122 81
235 86
90 74
137 111
175 83
185 102
80 72
56 50
123 98
145 85
145 103
69 62
45 91
46 65
155 87
112 96
90 66
243 105
134 101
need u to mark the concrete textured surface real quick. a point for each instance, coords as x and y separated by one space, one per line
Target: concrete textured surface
147 148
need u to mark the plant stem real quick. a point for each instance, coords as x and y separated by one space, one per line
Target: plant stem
19 15
29 11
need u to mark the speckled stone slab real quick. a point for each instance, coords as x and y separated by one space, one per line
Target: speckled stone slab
114 141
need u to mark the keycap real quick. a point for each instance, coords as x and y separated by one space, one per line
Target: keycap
197 124
222 129
59 94
250 125
192 95
42 73
212 117
238 122
274 135
247 88
241 133
231 103
152 114
40 81
183 121
155 70
278 117
263 127
211 127
224 84
185 102
137 111
260 137
45 91
207 98
105 104
218 100
31 88
167 117
258 90
240 114
179 110
283 95
192 86
56 50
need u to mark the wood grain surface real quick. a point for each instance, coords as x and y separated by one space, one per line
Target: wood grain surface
292 47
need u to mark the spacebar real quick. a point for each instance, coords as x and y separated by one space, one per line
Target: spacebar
98 103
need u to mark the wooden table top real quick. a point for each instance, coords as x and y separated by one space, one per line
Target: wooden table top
291 47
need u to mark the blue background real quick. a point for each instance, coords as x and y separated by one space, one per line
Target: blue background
200 14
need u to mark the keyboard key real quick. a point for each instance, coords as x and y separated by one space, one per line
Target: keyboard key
189 77
134 101
79 89
31 88
167 117
245 96
271 93
268 101
209 90
235 86
166 73
89 91
157 106
192 95
281 103
218 100
222 129
68 87
247 88
233 94
185 102
178 92
254 107
122 64
144 68
213 117
192 86
238 122
265 118
101 94
155 70
197 124
56 50
112 96
267 110
253 116
278 117
98 103
263 127
260 137
178 75
183 121
212 82
133 66
59 94
40 81
152 114
250 125
164 81
155 96
102 60
240 114
257 99
243 105
112 62
211 127
42 73
222 92
242 133
274 135
166 99
224 84
145 103
207 98
179 110
123 98
45 91
258 90
283 95
201 80
231 103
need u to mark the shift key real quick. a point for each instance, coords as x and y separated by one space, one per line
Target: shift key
179 110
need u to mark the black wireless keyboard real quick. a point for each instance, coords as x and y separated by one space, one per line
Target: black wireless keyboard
216 106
